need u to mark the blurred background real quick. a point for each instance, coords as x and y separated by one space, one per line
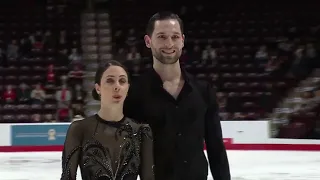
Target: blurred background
263 58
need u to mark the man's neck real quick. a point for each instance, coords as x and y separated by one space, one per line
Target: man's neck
167 72
111 114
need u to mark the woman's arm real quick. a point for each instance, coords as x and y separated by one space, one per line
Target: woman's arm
147 163
71 151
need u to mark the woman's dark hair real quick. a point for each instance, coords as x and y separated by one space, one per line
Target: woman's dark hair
99 73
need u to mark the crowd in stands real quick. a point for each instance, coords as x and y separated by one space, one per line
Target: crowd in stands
41 68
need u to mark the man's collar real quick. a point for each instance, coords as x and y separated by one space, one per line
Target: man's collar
157 79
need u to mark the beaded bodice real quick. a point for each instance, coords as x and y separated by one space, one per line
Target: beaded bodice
107 150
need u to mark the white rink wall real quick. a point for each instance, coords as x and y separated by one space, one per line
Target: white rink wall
243 135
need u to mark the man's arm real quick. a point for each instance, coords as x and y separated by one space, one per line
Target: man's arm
217 155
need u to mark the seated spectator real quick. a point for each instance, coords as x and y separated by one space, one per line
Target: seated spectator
51 75
299 53
119 40
62 44
75 76
13 50
225 116
75 58
285 48
184 56
25 44
135 71
262 56
273 64
9 95
76 73
78 94
62 57
63 97
49 118
64 79
77 118
38 95
298 58
195 53
209 55
49 40
64 115
23 93
37 40
311 52
238 116
131 38
78 111
133 55
3 59
121 55
36 118
75 44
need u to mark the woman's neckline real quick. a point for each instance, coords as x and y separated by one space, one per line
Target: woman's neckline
109 122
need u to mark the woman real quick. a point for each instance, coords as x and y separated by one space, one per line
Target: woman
109 146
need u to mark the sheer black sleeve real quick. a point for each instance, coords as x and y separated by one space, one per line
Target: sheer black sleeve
71 151
147 163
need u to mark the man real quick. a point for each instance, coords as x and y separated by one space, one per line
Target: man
181 111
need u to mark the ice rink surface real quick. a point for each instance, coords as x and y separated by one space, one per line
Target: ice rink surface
245 165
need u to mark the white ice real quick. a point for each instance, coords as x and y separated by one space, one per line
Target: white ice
245 165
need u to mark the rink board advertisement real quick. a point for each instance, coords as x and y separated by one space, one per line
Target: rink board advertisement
38 135
238 135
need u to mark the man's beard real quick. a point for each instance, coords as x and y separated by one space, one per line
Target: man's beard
166 59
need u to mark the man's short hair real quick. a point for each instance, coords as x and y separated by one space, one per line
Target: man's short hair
162 16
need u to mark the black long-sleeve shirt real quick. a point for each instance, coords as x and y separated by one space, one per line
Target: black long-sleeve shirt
108 150
180 127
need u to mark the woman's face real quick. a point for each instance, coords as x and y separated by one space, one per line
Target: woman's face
113 86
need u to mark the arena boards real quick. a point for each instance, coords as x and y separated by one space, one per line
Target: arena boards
238 135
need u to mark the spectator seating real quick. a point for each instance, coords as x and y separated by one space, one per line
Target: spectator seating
298 115
222 42
253 53
35 43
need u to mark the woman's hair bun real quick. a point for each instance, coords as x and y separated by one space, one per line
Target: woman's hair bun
95 95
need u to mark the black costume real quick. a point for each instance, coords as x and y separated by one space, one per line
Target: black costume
107 150
180 127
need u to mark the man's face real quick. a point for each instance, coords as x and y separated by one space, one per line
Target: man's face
166 41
